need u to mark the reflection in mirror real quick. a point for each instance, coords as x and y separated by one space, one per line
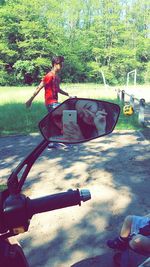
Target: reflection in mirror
78 120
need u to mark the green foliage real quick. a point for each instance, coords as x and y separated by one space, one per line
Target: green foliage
147 73
3 76
93 35
24 71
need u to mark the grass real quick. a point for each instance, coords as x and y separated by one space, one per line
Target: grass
2 187
16 119
127 122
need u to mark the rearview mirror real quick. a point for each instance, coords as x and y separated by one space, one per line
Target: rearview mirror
78 120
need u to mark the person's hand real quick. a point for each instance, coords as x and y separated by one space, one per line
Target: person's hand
28 103
100 121
72 132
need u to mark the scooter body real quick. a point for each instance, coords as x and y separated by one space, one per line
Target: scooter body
16 209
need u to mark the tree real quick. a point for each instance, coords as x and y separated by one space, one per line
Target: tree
93 35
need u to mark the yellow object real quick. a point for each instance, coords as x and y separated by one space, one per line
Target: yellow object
128 110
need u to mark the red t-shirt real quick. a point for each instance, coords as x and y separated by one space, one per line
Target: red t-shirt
51 82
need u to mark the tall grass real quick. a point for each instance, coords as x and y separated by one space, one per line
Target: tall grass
15 118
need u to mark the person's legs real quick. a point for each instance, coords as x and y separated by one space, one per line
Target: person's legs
51 145
140 243
121 242
126 227
50 107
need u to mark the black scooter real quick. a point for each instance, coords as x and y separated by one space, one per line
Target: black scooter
73 122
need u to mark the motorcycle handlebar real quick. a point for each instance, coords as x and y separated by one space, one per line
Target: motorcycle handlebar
57 201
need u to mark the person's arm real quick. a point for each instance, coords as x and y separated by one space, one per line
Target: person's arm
63 92
99 121
72 132
29 102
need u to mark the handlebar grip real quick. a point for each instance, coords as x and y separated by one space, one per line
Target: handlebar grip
53 202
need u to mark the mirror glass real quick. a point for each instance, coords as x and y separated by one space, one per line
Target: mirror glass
78 120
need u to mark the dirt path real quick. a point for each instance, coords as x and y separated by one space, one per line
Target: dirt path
116 171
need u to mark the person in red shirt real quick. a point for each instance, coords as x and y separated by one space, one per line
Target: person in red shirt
51 84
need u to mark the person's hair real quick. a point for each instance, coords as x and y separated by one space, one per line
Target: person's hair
57 60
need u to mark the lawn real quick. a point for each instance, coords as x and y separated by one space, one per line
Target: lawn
15 118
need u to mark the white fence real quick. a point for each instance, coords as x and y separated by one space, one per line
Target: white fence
137 104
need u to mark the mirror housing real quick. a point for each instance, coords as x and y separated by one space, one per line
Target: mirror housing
79 120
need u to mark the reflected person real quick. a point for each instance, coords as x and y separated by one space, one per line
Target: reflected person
91 120
94 118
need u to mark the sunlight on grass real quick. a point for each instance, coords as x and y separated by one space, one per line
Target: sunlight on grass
22 94
18 94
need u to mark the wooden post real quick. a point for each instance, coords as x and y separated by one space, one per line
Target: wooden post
141 111
118 94
122 96
132 100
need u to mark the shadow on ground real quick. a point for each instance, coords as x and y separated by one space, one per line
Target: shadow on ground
114 168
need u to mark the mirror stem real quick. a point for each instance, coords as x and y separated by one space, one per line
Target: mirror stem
14 186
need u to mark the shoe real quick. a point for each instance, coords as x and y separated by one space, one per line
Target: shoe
58 146
64 146
51 145
117 243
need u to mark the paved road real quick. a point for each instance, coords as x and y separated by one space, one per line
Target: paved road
116 171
